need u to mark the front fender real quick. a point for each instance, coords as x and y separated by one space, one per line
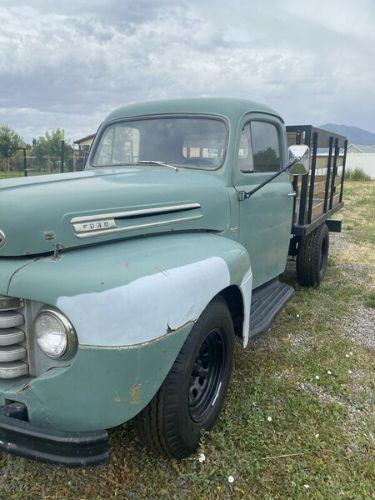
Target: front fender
132 303
131 292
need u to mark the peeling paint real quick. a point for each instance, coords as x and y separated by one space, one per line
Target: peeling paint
49 235
162 270
169 330
135 394
141 344
146 308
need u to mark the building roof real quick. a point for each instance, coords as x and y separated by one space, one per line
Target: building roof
363 148
84 139
325 151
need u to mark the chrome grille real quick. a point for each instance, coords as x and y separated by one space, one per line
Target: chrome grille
13 353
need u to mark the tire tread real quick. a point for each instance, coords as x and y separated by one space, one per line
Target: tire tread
156 425
308 258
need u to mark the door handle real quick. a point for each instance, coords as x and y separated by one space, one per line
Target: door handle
292 194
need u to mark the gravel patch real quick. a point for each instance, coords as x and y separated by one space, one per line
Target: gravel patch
353 268
265 342
358 403
360 327
302 341
359 409
337 242
320 393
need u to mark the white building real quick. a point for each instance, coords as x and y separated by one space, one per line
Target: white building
361 156
85 143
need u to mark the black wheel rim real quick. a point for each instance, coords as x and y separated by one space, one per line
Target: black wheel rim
206 376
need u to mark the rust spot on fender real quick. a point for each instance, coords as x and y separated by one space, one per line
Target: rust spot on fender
135 394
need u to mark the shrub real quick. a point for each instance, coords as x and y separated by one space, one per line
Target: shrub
358 174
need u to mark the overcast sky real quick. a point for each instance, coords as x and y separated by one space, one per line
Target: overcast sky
68 63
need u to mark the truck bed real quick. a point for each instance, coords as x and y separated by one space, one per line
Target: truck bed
320 194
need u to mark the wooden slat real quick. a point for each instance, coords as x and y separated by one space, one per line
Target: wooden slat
336 199
292 138
318 206
321 162
317 210
319 189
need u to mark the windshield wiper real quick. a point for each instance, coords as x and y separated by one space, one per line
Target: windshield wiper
154 162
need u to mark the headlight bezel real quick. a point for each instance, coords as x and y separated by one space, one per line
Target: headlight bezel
71 336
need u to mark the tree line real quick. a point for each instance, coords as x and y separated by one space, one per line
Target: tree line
46 151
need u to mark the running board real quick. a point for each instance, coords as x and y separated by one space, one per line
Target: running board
266 303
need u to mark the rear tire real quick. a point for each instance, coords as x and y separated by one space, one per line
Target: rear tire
192 395
312 257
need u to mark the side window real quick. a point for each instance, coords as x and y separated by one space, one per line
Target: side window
265 146
245 155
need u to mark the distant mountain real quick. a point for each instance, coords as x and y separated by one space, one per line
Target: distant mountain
355 135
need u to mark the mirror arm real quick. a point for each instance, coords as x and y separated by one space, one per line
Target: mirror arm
243 195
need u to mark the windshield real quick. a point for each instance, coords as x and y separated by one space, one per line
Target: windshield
187 142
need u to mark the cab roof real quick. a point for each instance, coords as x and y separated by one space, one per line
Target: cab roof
230 108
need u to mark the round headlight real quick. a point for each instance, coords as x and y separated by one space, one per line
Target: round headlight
54 333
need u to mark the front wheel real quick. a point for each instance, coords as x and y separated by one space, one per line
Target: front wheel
192 395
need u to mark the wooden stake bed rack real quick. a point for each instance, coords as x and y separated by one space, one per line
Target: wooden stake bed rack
320 194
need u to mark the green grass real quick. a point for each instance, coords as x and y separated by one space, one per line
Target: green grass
12 174
307 374
9 175
370 299
359 211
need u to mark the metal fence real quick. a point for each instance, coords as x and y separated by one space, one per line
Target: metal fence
25 164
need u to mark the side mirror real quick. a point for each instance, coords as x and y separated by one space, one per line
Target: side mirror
301 153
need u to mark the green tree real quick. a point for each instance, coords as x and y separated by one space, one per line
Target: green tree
47 150
10 142
267 159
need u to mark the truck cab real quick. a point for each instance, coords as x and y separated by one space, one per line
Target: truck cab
124 287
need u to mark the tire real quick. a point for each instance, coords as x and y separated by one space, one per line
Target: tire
192 395
312 257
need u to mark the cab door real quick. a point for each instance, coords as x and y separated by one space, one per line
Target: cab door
266 217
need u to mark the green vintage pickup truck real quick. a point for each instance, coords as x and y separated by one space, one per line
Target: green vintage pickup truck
124 287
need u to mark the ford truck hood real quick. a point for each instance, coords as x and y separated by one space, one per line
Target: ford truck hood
81 208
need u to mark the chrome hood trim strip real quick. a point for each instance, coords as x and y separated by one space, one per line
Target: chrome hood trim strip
135 213
101 232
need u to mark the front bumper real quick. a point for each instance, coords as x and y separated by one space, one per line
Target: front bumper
72 449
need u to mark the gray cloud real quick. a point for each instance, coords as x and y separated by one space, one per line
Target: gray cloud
67 64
